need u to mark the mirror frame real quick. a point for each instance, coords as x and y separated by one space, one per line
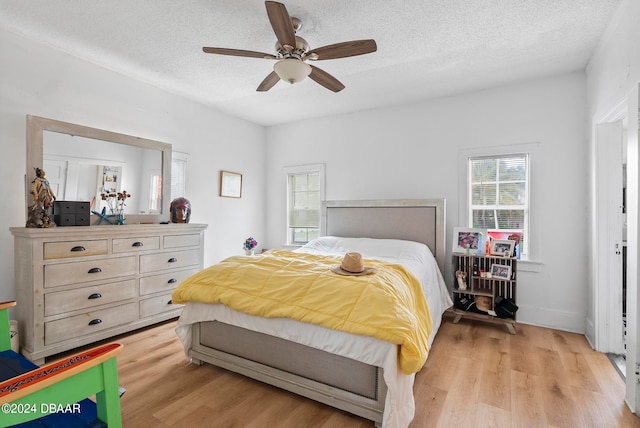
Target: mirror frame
35 130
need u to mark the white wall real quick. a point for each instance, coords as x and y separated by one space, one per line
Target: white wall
41 81
615 66
412 152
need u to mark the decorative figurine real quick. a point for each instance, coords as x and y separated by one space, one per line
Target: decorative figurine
43 199
103 216
461 277
180 210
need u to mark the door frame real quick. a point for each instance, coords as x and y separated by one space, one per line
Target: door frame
601 251
632 396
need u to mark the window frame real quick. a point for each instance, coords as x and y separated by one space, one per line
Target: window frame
497 206
532 150
296 170
179 159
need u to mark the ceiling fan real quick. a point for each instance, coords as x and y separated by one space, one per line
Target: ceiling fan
292 52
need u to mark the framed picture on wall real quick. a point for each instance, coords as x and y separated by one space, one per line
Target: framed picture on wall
230 184
466 239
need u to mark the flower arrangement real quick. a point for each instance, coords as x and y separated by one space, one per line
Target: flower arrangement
116 203
250 244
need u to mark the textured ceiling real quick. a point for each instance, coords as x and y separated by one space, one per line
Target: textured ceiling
425 48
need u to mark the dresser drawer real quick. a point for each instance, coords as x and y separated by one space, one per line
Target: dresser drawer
88 297
177 241
170 260
165 282
67 249
88 323
156 305
126 245
93 270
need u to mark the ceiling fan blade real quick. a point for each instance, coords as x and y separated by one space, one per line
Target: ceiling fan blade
238 52
343 50
268 82
281 23
325 79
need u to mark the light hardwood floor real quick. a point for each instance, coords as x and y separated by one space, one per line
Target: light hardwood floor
477 375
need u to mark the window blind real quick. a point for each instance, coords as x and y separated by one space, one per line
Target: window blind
498 193
178 177
304 200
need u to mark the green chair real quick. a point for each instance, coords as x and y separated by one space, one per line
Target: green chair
57 394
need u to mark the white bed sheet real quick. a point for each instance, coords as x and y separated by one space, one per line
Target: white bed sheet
399 405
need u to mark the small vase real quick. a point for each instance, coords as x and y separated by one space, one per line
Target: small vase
250 252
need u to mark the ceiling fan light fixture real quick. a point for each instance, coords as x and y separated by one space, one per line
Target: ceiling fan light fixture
292 52
292 70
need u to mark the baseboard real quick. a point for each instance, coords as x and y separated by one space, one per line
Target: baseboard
590 332
559 320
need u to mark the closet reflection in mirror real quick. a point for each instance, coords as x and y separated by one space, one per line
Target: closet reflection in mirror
80 169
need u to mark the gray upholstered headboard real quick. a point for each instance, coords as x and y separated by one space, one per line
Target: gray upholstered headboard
420 220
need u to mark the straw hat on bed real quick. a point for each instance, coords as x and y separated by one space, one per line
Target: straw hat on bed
352 264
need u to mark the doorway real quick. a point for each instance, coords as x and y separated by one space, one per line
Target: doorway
616 140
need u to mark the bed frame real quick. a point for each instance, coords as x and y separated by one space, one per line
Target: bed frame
331 379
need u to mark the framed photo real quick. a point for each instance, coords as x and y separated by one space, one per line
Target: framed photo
230 184
501 271
503 248
466 238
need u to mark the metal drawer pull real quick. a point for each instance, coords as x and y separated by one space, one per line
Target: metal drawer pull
172 281
137 244
95 270
95 321
170 302
78 248
172 260
94 296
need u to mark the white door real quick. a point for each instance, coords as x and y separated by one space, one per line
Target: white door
609 182
56 174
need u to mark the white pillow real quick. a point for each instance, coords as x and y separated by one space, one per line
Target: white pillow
385 249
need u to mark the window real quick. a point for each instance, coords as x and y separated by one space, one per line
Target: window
178 174
305 192
498 194
155 192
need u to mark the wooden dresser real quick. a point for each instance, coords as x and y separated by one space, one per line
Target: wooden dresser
76 285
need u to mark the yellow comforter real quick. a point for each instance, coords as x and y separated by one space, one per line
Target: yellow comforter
388 304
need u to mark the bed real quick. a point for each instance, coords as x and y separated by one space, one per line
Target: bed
352 372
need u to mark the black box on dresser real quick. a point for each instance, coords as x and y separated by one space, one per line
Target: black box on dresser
71 213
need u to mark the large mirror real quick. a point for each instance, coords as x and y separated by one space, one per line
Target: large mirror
81 163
